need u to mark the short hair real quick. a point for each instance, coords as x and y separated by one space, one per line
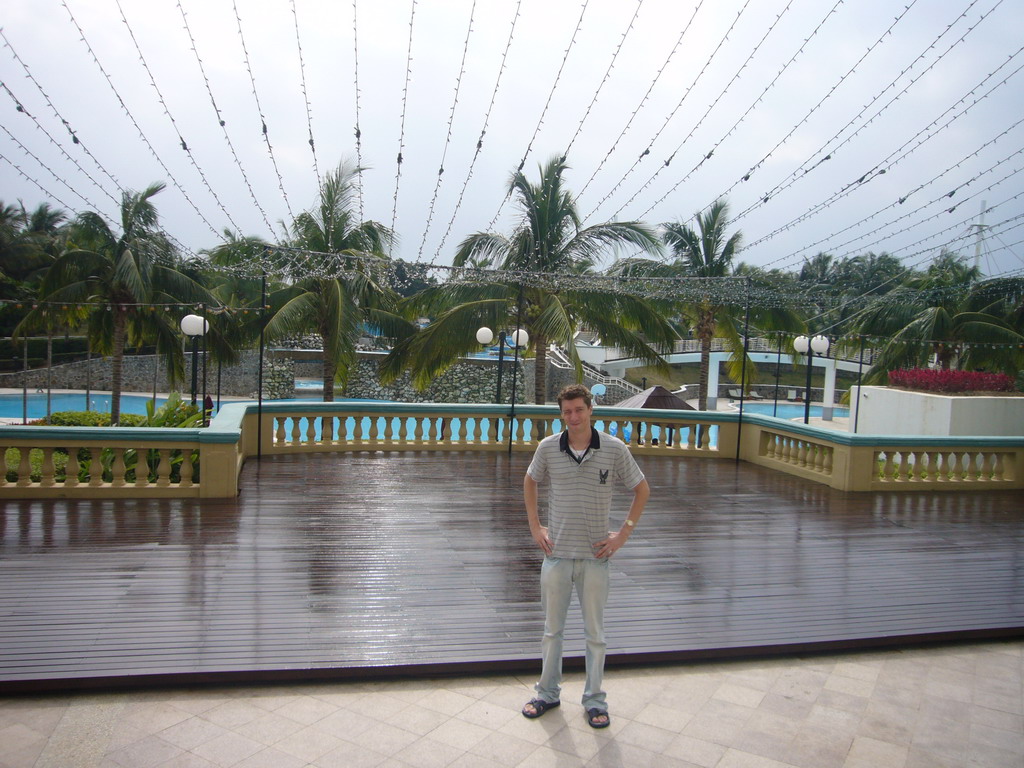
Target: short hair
575 392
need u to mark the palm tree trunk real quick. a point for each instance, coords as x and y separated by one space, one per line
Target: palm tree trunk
705 371
117 366
329 371
540 370
705 332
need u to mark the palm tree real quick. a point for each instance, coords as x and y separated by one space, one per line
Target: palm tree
120 277
344 284
942 314
236 325
704 253
546 244
29 243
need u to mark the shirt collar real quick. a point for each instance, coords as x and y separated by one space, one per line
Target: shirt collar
595 440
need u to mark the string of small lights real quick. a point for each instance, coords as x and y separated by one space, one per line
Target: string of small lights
21 109
259 109
671 115
898 154
25 176
448 136
697 125
67 125
355 77
604 80
835 87
735 125
483 132
221 121
170 117
401 122
643 100
825 153
925 206
42 164
135 123
927 219
305 94
544 111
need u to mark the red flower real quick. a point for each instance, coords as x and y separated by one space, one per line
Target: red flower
935 380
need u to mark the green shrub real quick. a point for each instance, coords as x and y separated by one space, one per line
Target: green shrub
89 419
12 460
175 413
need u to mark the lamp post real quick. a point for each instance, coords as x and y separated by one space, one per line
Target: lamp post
805 346
194 326
518 339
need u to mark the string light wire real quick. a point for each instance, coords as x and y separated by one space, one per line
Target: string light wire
305 93
401 126
448 136
259 110
483 132
174 123
220 119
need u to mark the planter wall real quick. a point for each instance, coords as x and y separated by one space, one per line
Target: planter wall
889 411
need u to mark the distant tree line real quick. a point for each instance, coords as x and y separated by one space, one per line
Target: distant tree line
114 282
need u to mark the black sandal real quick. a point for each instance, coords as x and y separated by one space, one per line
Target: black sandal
593 714
539 707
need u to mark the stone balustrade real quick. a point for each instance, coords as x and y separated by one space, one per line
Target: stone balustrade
88 462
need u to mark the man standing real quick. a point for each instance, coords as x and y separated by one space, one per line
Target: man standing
582 465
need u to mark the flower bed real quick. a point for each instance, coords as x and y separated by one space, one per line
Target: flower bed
931 380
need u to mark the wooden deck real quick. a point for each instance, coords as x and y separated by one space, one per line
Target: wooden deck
369 564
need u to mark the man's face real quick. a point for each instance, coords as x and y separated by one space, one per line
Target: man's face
576 413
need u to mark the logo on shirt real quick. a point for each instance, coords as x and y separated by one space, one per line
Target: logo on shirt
603 476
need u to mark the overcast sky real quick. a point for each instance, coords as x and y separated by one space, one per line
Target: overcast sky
912 101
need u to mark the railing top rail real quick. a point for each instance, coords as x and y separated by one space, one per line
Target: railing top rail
117 434
226 426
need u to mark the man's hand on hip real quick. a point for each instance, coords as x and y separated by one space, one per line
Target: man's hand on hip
541 537
611 545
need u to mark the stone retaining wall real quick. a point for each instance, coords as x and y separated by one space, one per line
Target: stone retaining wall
468 381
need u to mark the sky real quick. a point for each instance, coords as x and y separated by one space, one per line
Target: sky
843 127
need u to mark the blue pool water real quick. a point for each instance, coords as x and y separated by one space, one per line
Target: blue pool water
11 405
11 408
789 410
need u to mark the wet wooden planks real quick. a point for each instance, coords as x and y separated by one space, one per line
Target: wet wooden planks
365 563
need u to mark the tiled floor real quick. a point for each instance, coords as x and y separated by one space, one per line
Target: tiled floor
920 708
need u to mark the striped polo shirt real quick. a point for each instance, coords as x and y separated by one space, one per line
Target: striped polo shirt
580 493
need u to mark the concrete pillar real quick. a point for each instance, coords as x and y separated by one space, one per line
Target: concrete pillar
714 365
830 388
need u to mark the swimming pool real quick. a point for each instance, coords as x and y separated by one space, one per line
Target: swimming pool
11 405
789 410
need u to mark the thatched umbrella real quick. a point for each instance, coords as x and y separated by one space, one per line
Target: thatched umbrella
656 397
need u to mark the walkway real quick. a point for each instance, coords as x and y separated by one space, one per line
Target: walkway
936 707
353 565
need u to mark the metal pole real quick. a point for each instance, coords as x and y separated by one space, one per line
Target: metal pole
259 377
24 384
743 371
195 368
860 367
205 331
515 370
49 374
807 396
501 363
778 364
88 372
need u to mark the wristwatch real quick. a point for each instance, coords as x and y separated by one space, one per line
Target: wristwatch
629 522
